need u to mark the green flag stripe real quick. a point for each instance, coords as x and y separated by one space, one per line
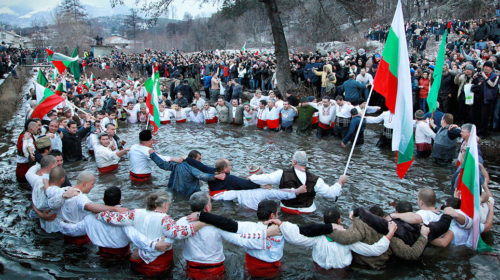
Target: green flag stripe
408 153
469 167
438 73
391 52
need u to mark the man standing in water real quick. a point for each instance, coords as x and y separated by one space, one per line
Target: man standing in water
140 163
295 177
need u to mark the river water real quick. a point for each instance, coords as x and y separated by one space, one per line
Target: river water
27 251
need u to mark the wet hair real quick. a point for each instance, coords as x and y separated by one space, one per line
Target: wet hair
263 102
112 196
331 215
145 135
453 202
376 210
339 98
266 208
193 154
157 200
404 206
428 197
448 118
198 201
55 153
354 111
47 161
56 175
84 176
300 157
221 164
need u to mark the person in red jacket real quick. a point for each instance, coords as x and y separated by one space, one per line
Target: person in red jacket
424 84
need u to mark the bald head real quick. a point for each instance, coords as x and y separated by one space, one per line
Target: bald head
84 177
222 165
427 196
57 176
47 161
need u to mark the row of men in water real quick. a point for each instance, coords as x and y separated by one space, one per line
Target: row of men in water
374 237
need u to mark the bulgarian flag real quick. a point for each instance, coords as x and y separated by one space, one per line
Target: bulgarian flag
468 185
129 79
152 100
393 81
243 48
46 99
438 73
41 79
60 61
61 87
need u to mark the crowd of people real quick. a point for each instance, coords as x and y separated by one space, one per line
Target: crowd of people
206 88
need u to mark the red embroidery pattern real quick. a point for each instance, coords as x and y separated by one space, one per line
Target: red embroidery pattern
115 218
172 230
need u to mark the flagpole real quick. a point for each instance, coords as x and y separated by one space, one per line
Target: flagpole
357 132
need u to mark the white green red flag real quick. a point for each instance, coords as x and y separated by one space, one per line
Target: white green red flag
438 73
89 81
153 99
46 99
393 81
60 61
130 79
61 87
468 185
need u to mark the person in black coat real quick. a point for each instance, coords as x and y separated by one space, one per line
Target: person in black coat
72 141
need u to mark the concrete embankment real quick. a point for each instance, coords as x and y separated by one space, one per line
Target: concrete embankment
10 93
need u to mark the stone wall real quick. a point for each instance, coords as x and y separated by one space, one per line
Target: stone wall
10 93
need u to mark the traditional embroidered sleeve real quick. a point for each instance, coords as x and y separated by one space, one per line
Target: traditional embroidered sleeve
251 240
172 230
116 218
376 249
267 179
292 234
77 229
326 191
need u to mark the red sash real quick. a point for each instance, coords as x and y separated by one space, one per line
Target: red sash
164 122
333 125
115 253
205 271
424 147
212 120
324 126
158 267
315 119
261 124
273 124
258 268
212 193
108 169
181 121
77 240
293 211
139 177
21 170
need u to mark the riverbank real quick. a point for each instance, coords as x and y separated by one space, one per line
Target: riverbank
10 94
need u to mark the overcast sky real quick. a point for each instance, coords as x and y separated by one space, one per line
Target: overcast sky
180 6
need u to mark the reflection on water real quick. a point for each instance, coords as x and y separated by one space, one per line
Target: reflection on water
25 250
